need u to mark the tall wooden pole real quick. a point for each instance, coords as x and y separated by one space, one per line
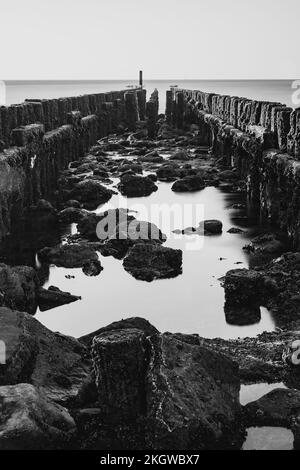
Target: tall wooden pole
141 78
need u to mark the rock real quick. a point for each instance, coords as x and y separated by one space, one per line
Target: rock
280 407
122 391
108 221
68 256
242 315
133 167
53 297
243 288
136 323
56 364
150 387
127 234
235 230
92 268
152 177
18 287
31 422
210 227
71 215
43 206
181 156
73 203
183 411
267 243
275 286
148 262
168 173
188 184
152 157
91 193
136 186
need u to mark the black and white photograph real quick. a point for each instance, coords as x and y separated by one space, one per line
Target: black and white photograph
149 229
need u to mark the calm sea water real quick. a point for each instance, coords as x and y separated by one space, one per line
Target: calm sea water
271 90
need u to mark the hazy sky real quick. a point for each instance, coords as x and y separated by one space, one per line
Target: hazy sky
104 39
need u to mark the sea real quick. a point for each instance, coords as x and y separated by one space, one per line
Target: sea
270 90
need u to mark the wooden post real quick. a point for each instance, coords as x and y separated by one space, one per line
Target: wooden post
141 78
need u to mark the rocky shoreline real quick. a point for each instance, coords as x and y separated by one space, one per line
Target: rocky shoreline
127 385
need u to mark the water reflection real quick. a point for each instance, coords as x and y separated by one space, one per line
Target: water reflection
190 303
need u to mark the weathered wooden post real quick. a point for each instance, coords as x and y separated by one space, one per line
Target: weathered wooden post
141 78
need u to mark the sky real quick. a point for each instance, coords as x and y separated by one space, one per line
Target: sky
183 39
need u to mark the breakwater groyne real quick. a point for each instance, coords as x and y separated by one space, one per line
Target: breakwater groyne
260 139
39 138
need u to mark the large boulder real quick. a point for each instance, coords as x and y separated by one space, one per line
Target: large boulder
151 261
136 186
136 323
68 256
108 221
18 287
91 193
29 421
188 184
164 393
56 364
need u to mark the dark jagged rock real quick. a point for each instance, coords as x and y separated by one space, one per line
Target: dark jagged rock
71 215
242 315
280 408
181 156
152 157
275 286
109 220
91 193
242 286
92 268
18 287
183 411
68 256
151 388
136 186
267 243
129 233
168 173
136 323
54 297
134 167
56 364
73 203
122 392
148 262
188 184
31 422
